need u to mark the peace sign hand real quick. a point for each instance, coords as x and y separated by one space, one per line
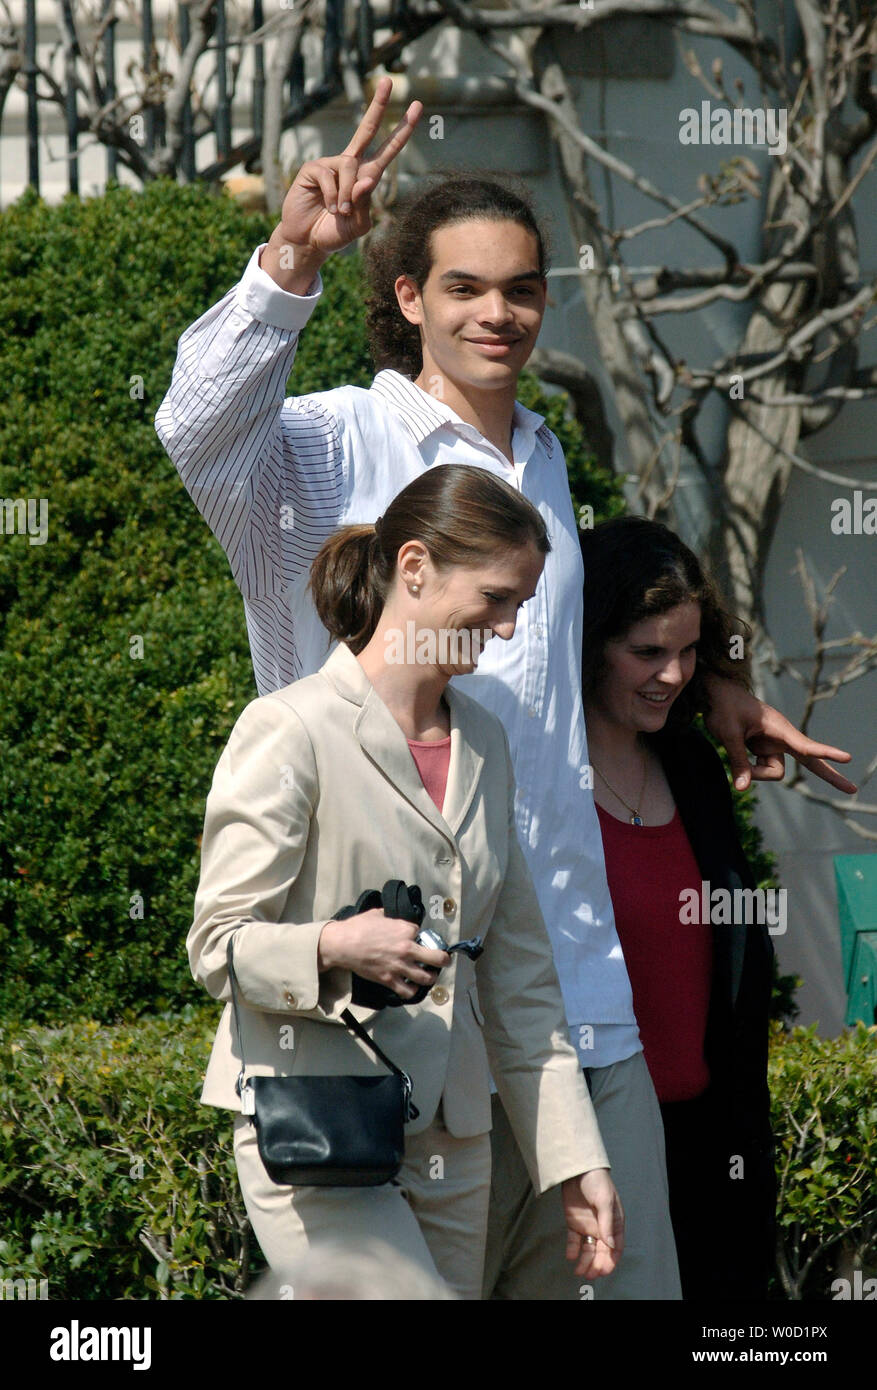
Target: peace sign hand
327 206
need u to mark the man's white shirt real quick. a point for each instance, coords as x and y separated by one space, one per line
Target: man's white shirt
274 477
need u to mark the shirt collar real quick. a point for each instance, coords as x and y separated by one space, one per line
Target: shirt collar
423 414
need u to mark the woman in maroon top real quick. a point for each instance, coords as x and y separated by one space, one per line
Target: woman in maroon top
701 989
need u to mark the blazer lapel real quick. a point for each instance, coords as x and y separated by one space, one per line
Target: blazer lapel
467 759
384 743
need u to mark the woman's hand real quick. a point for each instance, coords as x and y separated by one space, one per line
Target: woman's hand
379 948
595 1222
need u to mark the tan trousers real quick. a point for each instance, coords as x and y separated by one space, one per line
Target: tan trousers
435 1214
527 1234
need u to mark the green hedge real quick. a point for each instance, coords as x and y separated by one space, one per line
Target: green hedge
115 1183
105 757
825 1119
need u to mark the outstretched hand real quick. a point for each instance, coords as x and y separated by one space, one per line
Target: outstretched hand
327 206
739 722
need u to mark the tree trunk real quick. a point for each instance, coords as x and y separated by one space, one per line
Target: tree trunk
757 473
630 391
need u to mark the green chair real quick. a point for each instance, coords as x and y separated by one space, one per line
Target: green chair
856 879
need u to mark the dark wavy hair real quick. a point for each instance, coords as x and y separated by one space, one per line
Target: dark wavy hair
462 514
635 569
403 246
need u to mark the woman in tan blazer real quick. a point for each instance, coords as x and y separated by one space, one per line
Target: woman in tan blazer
375 768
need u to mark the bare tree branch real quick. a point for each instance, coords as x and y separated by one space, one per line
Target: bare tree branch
793 349
531 97
561 369
203 24
288 42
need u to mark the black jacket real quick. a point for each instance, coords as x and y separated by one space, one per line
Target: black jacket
737 1149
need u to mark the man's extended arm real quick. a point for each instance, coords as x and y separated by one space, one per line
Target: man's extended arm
739 720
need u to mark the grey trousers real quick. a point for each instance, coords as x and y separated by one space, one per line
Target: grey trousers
526 1234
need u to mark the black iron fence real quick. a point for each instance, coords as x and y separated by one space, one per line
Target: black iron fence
90 100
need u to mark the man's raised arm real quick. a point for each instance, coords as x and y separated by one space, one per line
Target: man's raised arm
241 456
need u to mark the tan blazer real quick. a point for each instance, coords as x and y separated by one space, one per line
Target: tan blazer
315 798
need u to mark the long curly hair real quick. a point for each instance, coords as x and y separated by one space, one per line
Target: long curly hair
635 569
403 246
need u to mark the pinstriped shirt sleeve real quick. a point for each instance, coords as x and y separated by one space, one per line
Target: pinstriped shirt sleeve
266 473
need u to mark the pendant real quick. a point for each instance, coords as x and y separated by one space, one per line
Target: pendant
635 819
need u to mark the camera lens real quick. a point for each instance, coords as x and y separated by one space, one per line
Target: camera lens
431 939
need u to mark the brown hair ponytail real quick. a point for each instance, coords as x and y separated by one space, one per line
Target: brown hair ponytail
348 584
461 514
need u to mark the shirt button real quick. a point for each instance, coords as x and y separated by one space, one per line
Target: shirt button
290 999
439 995
443 861
449 906
532 711
538 629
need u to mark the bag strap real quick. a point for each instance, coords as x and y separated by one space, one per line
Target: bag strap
353 1023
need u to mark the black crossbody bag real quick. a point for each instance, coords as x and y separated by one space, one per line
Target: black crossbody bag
327 1131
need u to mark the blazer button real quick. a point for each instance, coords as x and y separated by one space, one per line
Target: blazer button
439 995
449 906
290 999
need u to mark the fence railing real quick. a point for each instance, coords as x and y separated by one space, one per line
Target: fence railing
91 104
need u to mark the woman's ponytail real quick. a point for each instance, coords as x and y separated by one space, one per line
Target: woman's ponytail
349 582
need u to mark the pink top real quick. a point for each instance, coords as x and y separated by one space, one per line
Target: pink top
433 760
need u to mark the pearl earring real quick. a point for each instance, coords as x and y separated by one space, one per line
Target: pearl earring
415 589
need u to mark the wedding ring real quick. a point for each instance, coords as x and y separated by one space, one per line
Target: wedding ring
589 1240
